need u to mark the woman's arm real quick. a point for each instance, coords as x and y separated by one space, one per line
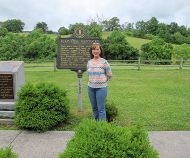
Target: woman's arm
108 71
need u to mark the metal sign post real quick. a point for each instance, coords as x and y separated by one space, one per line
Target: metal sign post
79 75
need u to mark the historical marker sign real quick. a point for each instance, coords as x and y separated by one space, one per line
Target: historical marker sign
6 86
73 52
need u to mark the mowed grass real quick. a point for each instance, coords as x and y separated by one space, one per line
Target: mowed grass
158 98
136 42
133 41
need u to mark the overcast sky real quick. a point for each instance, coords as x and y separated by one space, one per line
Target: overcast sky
57 13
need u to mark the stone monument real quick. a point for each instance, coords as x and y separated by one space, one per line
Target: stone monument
11 80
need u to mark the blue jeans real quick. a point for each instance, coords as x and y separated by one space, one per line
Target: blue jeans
98 101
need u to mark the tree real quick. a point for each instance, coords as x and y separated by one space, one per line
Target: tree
116 47
3 31
72 27
141 29
152 26
1 23
94 30
42 25
183 30
173 27
178 38
127 26
12 47
112 24
13 25
157 49
63 31
181 51
163 32
39 46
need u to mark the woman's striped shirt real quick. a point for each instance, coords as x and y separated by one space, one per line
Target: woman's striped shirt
99 72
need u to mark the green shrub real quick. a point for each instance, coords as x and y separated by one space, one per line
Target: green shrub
149 36
117 47
157 49
99 139
3 31
41 107
7 153
111 111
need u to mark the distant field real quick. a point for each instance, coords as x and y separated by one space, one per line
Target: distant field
159 98
135 42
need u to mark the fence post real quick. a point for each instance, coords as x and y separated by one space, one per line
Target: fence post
181 64
139 63
54 64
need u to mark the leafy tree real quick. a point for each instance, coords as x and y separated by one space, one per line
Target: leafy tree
178 38
11 47
49 32
72 27
181 51
94 30
36 45
116 47
187 40
173 27
183 30
63 31
3 31
39 46
163 32
42 25
141 29
152 26
188 31
13 25
157 49
112 24
127 26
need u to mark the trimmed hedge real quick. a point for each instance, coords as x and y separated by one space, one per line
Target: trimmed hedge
103 140
41 107
7 153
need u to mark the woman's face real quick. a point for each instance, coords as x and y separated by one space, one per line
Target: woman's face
96 52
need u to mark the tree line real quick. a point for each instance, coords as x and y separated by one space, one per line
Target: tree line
38 45
172 33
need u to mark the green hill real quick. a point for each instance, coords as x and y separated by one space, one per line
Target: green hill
135 42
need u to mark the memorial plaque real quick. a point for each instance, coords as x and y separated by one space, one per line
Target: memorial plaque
6 86
73 52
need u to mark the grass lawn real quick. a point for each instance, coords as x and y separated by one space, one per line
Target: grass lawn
159 98
137 42
133 41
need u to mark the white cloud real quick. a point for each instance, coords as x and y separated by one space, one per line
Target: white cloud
57 13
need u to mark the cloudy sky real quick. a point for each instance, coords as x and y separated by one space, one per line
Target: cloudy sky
57 13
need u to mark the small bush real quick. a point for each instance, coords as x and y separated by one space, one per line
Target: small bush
7 153
103 140
149 36
41 107
111 111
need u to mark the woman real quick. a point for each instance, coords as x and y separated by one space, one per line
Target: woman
99 72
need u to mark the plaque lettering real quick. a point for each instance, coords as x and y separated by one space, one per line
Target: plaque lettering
6 86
